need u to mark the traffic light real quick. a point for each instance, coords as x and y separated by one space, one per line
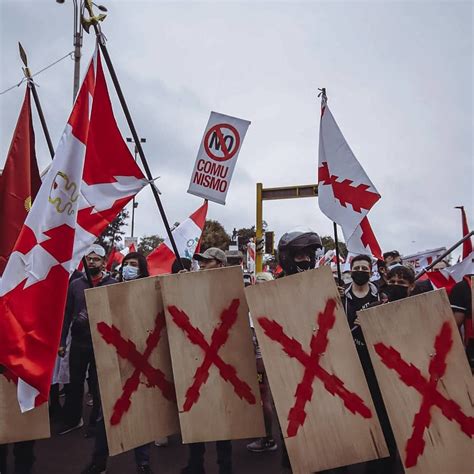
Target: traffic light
270 242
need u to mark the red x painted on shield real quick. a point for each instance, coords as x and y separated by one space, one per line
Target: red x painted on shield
211 357
127 350
312 369
411 376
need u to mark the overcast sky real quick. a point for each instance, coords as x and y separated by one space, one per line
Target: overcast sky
399 77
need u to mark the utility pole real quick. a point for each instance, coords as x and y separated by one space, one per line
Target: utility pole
134 203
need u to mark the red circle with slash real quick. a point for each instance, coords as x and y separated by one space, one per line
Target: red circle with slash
217 129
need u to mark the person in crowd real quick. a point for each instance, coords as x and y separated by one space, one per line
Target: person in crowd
461 304
267 443
81 357
392 258
213 257
400 282
296 253
360 294
381 282
134 265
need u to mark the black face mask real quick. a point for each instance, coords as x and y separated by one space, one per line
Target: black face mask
396 292
303 266
360 278
94 271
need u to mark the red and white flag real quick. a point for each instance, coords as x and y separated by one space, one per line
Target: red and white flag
420 260
467 244
186 236
345 192
448 277
363 240
116 256
92 177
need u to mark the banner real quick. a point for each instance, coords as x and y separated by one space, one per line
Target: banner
217 157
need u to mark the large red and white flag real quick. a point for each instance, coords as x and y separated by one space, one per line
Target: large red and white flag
186 236
92 177
345 192
363 240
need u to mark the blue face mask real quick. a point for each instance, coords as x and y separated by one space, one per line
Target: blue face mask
129 272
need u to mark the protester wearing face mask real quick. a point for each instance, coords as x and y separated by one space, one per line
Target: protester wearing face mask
134 266
400 283
360 294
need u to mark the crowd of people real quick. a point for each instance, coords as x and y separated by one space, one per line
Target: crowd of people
296 253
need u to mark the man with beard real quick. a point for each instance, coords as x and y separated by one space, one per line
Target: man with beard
81 357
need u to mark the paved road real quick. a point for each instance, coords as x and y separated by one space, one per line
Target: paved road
70 453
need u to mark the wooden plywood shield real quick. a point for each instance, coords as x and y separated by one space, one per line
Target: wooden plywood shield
212 355
16 426
133 363
425 380
321 396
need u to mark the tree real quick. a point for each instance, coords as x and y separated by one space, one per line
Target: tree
113 232
329 244
148 243
245 234
214 235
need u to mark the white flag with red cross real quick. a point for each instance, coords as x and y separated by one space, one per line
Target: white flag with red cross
92 177
345 192
187 237
363 240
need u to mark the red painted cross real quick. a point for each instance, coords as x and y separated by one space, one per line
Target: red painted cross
211 357
312 368
345 192
127 350
412 377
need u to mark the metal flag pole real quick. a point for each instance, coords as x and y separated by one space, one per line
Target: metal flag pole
94 21
447 252
39 109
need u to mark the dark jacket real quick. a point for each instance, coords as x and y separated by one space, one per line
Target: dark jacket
76 311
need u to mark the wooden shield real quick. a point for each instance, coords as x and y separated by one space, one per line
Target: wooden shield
16 426
314 372
133 363
413 342
212 355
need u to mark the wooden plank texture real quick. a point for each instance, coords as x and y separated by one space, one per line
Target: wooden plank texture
134 308
330 435
218 412
16 426
410 327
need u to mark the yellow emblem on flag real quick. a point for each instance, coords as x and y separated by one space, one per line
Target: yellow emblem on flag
28 204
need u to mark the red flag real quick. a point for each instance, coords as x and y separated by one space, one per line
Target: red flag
187 236
92 176
20 182
467 244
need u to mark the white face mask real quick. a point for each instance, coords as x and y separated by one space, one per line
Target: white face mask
129 272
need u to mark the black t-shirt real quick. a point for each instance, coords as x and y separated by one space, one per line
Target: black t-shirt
352 304
460 298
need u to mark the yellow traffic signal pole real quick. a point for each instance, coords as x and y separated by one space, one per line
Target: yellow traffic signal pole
269 194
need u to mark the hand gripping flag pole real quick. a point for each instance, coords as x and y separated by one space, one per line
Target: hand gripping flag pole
94 21
39 109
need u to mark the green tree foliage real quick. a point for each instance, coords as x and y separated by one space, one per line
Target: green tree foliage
245 234
214 235
148 243
329 244
114 231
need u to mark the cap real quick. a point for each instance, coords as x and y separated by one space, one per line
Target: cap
212 253
97 249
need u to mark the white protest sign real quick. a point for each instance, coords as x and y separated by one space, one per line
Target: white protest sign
217 156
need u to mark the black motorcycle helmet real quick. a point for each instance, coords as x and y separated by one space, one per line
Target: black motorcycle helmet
294 241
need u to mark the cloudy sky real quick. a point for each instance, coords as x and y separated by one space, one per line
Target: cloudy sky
399 77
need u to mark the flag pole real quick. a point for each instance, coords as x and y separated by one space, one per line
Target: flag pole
447 252
336 242
94 21
39 109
